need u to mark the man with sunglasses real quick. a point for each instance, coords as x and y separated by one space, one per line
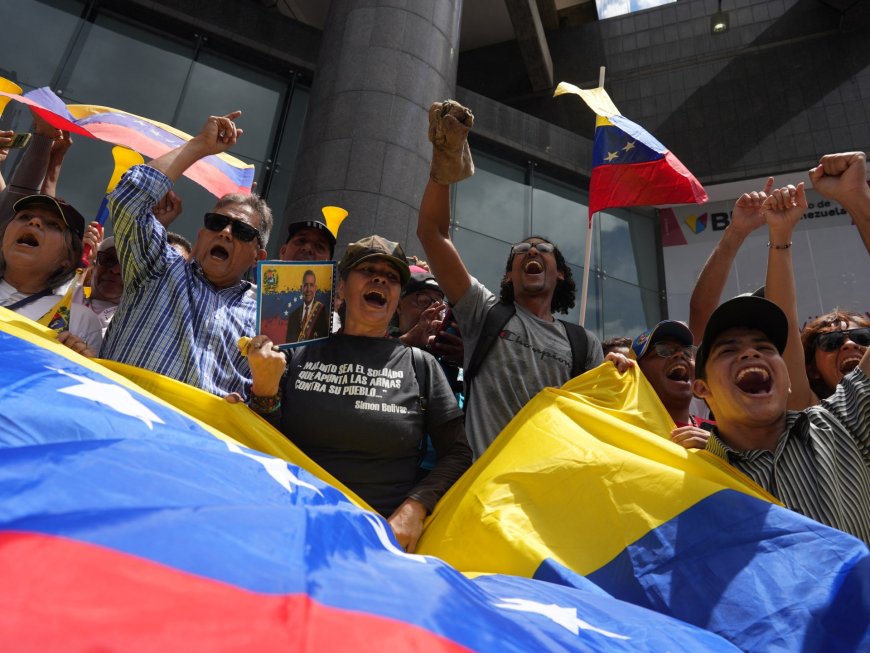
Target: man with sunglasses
666 357
179 318
816 460
514 347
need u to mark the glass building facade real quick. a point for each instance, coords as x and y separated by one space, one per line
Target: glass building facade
91 55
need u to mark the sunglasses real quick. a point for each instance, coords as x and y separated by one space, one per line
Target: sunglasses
241 230
106 260
668 349
833 340
543 248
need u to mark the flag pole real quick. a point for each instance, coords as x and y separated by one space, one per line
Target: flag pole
588 258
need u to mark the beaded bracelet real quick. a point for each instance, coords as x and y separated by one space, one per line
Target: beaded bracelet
772 246
264 405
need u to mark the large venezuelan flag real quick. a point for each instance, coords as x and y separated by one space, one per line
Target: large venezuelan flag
126 524
629 166
219 174
581 486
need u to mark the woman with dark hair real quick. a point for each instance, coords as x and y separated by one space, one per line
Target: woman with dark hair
833 346
360 402
41 247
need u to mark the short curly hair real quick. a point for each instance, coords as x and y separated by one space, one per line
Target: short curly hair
566 289
838 318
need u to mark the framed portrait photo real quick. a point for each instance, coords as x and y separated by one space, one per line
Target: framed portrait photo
294 301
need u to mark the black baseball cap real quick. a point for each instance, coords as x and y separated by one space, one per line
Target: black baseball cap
313 224
421 280
749 312
73 219
665 329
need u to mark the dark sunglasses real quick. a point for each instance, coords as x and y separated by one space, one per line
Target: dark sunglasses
668 349
106 260
833 340
241 230
543 248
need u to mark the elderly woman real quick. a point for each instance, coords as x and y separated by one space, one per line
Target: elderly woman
357 404
41 246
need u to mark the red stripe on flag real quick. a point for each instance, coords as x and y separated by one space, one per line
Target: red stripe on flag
666 181
61 594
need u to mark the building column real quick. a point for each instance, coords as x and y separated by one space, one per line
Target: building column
381 64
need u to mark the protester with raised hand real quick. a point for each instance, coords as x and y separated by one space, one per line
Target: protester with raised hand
179 318
514 335
746 217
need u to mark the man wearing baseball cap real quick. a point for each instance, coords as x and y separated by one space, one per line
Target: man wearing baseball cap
421 303
666 357
308 240
815 461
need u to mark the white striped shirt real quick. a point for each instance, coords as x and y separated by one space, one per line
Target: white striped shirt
821 464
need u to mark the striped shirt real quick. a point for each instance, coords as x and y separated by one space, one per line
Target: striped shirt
171 319
820 465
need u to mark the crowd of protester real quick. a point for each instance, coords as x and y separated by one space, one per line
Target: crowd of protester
787 406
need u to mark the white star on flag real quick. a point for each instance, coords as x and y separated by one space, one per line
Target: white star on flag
611 156
276 468
110 395
565 617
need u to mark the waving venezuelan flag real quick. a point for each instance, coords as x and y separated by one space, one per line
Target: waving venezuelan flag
629 166
219 174
581 485
127 524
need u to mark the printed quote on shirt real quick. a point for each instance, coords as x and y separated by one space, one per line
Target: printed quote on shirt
352 380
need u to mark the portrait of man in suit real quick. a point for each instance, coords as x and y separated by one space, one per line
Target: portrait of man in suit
311 319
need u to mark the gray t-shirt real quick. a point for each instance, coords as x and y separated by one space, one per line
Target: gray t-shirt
530 355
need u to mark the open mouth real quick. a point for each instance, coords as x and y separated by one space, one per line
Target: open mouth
375 298
850 363
754 380
678 372
219 253
533 266
28 240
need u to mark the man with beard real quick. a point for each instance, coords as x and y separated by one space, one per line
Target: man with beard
514 347
666 357
183 318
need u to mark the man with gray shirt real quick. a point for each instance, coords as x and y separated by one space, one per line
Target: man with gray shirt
514 347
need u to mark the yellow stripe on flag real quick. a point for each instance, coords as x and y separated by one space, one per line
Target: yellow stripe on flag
579 474
596 98
7 86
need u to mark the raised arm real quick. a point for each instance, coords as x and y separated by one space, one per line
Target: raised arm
59 148
843 178
218 135
745 218
449 124
782 210
28 175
